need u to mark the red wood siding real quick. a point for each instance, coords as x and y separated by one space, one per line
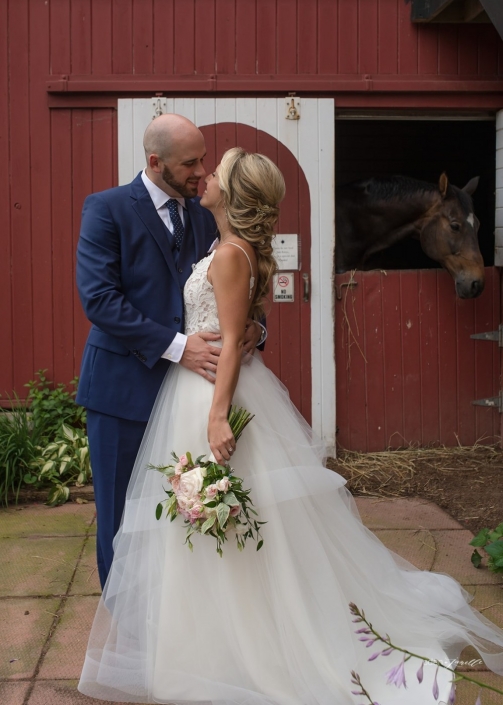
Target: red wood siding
243 37
407 369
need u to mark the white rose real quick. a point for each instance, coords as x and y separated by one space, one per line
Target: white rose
241 529
223 484
191 482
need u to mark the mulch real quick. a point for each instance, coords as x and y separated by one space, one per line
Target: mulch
466 482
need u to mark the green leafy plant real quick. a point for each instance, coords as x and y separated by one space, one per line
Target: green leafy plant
18 448
52 405
491 540
62 462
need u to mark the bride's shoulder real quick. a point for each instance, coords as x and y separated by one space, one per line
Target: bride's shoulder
235 251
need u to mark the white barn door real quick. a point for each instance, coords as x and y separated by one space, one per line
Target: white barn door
308 145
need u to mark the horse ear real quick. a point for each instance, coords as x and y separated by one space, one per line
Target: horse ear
443 184
471 186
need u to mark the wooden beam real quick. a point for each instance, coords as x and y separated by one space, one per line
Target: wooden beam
494 9
426 10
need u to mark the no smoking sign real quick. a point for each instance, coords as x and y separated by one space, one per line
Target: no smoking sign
283 289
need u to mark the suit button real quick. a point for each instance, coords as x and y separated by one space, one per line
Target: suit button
177 319
180 271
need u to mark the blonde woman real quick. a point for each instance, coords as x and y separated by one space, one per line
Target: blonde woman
270 627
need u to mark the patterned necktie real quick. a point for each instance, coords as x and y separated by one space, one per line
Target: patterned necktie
176 221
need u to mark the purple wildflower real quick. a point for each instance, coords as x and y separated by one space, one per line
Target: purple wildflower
420 671
363 630
374 656
370 642
452 695
434 690
397 675
387 652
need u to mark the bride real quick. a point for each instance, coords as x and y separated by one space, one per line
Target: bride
271 627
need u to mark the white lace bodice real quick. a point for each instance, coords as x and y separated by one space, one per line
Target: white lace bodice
199 300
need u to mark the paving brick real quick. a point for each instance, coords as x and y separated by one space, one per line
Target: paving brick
403 514
418 547
70 519
67 649
61 692
489 599
453 557
38 566
24 626
13 693
87 581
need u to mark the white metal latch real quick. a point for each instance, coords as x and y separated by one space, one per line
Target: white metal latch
497 337
292 108
159 106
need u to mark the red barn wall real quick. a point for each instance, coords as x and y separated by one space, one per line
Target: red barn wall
63 63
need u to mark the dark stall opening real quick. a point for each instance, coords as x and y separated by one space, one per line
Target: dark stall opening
422 149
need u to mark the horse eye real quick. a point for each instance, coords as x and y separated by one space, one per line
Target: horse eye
456 227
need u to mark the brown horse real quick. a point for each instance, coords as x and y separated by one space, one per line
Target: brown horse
376 213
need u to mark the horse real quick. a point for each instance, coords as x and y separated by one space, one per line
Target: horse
374 214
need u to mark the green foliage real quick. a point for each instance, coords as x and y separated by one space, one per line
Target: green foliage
52 405
18 448
43 442
491 540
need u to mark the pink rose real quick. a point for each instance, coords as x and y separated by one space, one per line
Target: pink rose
211 491
223 484
178 469
235 510
185 503
196 512
175 482
184 460
191 482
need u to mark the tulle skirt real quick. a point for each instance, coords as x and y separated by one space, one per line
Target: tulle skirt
271 627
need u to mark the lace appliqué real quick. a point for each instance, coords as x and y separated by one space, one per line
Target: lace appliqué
199 300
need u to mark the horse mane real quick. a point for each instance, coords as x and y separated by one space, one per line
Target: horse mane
388 188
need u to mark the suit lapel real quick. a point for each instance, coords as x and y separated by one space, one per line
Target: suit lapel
143 206
198 231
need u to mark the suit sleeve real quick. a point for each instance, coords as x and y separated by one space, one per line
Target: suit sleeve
100 288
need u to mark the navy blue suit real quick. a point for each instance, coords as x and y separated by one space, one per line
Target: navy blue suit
130 280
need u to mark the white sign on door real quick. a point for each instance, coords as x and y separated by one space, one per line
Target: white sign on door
283 289
286 251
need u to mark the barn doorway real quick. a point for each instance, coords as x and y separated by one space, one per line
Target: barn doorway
407 368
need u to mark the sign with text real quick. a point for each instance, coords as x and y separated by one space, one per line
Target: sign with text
286 251
283 288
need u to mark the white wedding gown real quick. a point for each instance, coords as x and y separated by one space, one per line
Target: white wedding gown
271 627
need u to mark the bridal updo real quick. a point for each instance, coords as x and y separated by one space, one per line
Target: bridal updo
253 187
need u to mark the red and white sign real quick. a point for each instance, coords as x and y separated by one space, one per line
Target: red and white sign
283 289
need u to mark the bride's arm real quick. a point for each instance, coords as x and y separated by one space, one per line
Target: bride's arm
230 276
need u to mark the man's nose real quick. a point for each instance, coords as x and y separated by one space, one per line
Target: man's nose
200 171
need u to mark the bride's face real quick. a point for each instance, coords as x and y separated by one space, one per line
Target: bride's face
212 196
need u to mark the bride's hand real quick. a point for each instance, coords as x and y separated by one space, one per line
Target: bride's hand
253 333
221 440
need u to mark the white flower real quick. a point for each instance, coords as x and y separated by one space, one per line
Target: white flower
223 484
241 529
191 482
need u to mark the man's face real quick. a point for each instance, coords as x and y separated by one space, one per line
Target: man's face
183 169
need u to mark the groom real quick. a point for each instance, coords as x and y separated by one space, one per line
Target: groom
136 249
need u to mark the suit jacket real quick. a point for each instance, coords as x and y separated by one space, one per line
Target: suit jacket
131 289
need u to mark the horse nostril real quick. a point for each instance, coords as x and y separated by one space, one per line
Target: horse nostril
476 287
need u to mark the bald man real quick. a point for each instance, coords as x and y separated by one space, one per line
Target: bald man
136 249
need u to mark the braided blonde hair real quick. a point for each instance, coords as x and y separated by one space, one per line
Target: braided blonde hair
252 187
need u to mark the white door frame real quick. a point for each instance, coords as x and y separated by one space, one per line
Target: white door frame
311 141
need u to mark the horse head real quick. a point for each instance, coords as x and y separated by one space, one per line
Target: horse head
449 236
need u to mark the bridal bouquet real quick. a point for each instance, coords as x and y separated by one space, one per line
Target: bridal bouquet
209 497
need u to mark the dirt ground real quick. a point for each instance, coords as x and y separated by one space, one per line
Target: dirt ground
465 482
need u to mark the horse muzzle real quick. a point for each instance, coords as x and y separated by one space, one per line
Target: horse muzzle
469 287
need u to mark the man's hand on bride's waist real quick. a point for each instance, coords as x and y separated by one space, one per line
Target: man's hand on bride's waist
201 357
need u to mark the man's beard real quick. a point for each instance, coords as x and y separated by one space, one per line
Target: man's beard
187 190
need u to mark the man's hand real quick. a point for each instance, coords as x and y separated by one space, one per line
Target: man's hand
200 357
253 333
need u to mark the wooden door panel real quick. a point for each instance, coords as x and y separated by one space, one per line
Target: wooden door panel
406 367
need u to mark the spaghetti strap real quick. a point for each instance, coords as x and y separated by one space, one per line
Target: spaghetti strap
252 278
